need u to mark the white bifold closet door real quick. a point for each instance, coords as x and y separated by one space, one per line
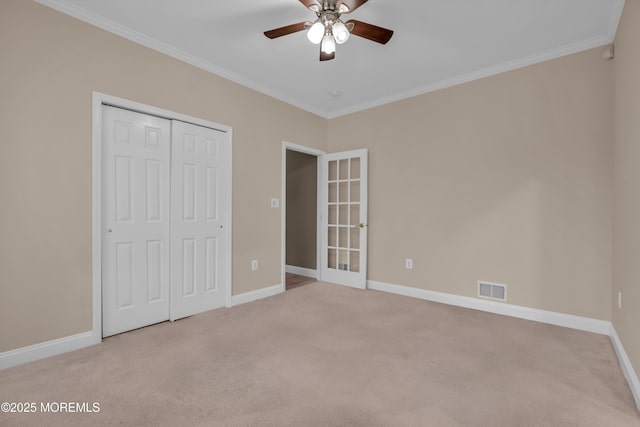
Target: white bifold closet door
135 217
198 218
164 211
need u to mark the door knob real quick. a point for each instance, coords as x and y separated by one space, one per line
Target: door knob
361 225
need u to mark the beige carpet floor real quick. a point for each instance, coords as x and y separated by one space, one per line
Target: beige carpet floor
324 355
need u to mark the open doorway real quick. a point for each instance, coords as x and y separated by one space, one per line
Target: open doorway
300 215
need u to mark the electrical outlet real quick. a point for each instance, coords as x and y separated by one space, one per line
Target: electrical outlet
254 264
619 299
275 203
408 264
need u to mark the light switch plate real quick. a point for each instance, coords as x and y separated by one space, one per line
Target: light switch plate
275 203
619 299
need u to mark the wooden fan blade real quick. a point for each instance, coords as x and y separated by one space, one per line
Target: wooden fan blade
326 56
371 32
350 4
312 4
283 31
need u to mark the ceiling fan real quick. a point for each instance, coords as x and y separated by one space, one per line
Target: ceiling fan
328 29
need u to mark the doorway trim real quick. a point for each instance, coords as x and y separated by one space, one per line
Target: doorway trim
98 100
283 206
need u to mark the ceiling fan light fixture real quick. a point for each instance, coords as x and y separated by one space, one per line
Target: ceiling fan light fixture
328 30
316 32
328 44
340 32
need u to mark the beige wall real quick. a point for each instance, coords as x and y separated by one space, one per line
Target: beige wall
506 179
626 250
302 211
50 65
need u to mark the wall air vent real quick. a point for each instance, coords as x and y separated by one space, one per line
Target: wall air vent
494 291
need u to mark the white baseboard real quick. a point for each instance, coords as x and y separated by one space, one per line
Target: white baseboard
55 347
560 319
307 272
35 352
256 295
627 367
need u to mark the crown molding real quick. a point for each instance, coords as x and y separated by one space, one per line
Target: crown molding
479 74
614 23
70 9
84 15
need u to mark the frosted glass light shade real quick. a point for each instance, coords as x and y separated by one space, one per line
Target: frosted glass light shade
328 44
340 32
316 32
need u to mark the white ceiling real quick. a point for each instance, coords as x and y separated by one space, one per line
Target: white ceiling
437 43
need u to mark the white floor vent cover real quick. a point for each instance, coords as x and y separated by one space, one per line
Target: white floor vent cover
492 291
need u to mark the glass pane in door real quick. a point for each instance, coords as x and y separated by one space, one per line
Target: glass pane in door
355 168
354 191
343 190
333 170
332 237
344 209
333 192
354 214
354 238
343 214
343 260
331 259
354 261
343 237
344 170
333 215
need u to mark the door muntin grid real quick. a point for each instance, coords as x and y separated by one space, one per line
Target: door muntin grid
343 216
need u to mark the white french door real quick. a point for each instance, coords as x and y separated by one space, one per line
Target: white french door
165 186
198 218
344 220
135 236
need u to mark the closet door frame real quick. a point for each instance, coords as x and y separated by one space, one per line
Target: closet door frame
100 99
